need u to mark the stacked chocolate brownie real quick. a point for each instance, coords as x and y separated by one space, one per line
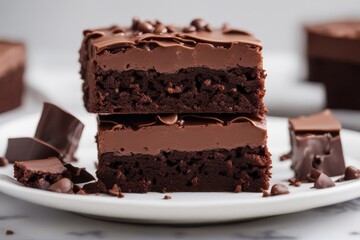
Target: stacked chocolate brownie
179 109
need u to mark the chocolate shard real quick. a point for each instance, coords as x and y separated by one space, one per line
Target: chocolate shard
279 189
316 143
64 185
78 175
59 129
24 149
323 181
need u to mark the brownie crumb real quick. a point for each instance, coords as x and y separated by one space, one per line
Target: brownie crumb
115 190
237 189
265 193
9 232
285 156
167 197
121 195
294 182
3 161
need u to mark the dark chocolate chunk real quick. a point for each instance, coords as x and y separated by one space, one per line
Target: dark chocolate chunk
316 144
313 175
9 232
199 24
323 181
59 129
351 173
24 149
78 175
3 161
64 185
94 187
279 189
121 195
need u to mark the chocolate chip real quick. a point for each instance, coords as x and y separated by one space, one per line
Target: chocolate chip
167 197
279 189
238 188
323 181
170 29
9 232
160 29
351 173
64 185
3 161
189 29
198 23
118 30
121 195
145 27
314 175
135 23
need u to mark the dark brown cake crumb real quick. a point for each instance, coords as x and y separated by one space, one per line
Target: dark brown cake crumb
237 189
167 197
121 195
9 232
285 156
3 161
294 182
115 190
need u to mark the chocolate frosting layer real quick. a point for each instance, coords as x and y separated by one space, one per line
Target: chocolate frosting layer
335 40
151 134
12 56
51 165
319 122
141 47
60 129
24 149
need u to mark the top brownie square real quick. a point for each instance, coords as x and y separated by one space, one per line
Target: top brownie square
154 68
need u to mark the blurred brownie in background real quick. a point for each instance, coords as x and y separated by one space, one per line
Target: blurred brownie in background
333 52
12 64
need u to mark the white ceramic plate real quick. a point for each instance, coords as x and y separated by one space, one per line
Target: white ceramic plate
184 208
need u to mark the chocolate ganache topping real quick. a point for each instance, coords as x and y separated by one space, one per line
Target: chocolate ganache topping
151 134
141 47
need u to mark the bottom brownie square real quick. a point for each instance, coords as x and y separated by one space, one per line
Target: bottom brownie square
183 153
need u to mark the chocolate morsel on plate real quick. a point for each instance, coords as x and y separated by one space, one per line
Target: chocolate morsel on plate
3 161
64 185
351 173
24 149
313 175
59 129
9 232
294 182
167 197
279 189
199 24
323 181
78 175
94 187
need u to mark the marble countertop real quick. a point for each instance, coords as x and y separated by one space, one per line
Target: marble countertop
28 221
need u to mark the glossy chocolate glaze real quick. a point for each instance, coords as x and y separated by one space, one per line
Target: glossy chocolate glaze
151 134
142 48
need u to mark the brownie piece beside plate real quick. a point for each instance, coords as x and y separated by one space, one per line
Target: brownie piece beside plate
12 65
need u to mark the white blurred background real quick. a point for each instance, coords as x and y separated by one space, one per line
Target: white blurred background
52 31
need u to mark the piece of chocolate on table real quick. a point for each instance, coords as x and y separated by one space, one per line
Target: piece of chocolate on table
315 143
12 62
